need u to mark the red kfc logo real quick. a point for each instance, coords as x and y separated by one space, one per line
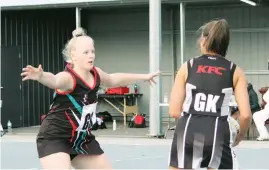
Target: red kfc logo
210 70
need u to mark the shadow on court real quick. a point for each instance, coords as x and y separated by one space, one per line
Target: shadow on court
23 155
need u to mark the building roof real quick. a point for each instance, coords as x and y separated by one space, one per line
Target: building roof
30 4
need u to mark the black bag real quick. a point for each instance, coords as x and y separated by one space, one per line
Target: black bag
106 116
97 126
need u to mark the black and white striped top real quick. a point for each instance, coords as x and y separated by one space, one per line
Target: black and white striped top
209 86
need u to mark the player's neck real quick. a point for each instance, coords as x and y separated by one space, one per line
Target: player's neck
81 72
209 53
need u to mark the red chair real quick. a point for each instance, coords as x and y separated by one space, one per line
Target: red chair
263 90
267 122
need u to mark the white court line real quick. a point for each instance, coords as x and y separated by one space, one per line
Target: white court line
139 158
134 141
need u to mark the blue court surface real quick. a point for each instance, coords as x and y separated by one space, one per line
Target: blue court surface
20 153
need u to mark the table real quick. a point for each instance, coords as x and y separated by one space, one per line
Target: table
108 98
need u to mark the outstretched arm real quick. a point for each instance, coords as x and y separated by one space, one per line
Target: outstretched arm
123 79
62 81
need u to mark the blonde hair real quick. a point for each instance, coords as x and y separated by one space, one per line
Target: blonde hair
70 45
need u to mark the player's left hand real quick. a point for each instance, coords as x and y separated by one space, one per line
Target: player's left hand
238 139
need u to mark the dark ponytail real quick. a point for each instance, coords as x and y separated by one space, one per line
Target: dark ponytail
217 36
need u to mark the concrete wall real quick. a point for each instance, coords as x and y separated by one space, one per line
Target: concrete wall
122 41
122 45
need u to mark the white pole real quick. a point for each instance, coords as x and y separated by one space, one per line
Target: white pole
78 17
155 47
182 32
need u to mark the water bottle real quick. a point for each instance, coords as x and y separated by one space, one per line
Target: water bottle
9 126
131 89
135 89
114 125
165 98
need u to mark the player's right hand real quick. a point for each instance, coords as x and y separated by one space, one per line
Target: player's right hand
31 73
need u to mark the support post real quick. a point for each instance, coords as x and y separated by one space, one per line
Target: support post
182 32
155 50
173 42
78 17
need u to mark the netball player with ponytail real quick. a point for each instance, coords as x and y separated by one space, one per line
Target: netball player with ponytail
202 91
64 138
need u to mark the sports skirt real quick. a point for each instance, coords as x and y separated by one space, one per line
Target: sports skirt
54 139
202 142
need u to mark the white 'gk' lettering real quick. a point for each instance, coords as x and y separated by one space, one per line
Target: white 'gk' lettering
206 103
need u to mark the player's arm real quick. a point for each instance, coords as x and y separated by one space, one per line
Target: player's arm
121 79
63 81
242 99
178 93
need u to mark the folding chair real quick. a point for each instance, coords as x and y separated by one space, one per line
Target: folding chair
169 128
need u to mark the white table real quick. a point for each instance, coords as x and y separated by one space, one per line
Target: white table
168 127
